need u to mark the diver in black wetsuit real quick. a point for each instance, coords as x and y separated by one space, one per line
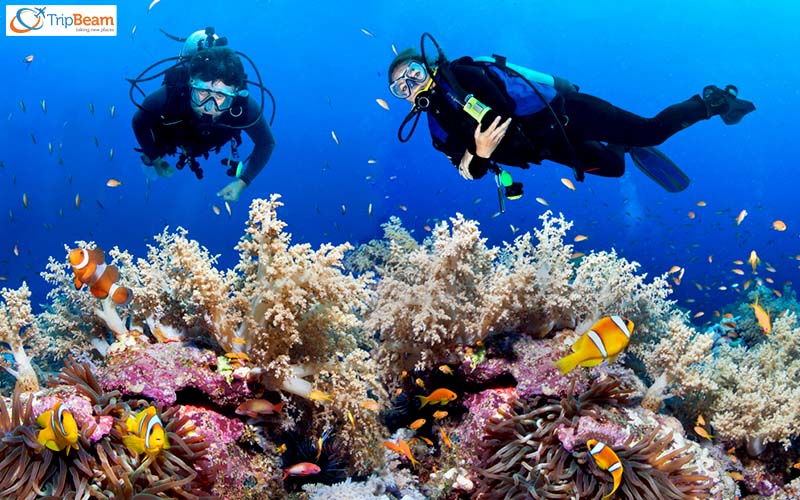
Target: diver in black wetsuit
487 111
200 108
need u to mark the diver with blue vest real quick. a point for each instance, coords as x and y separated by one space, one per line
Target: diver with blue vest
202 105
486 112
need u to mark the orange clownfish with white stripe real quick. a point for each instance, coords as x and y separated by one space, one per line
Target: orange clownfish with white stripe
605 340
89 266
606 459
147 434
59 430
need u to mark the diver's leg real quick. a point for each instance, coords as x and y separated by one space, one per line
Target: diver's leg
595 158
593 119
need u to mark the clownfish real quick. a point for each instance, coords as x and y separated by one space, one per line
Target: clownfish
89 266
147 434
59 430
605 340
606 459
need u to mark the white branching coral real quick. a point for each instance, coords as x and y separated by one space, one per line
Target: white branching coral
297 304
19 335
430 298
180 292
758 389
679 353
454 289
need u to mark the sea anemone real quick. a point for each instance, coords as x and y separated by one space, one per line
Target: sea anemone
104 469
523 457
122 473
28 469
330 459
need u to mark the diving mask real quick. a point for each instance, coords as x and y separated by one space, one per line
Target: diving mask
403 86
208 95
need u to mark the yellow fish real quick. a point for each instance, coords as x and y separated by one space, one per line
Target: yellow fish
753 260
762 317
606 459
59 430
147 434
605 340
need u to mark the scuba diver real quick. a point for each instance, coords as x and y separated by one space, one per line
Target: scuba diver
485 111
202 105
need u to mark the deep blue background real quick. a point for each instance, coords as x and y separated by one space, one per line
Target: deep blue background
326 74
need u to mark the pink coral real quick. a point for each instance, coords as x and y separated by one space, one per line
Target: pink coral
160 371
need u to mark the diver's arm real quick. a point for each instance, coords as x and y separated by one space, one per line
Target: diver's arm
144 122
263 145
475 166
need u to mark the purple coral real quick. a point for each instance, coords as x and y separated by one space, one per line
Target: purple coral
160 371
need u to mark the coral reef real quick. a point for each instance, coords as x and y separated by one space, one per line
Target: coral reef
291 323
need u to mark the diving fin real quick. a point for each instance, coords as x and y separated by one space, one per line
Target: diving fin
726 103
660 168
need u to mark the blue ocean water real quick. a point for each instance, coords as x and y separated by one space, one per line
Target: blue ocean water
326 73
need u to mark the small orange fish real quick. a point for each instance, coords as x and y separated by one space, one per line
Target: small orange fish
445 439
700 420
542 201
416 424
606 459
28 59
440 396
439 414
419 382
691 214
382 103
741 216
112 183
401 448
702 432
779 225
604 340
738 271
674 269
568 184
371 405
736 476
701 203
581 237
446 370
255 408
239 356
762 317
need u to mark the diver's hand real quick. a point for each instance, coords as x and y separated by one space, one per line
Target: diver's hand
162 166
487 141
232 191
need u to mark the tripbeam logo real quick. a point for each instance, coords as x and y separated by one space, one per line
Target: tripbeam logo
61 20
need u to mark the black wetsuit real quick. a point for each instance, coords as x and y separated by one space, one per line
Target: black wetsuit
170 123
598 131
